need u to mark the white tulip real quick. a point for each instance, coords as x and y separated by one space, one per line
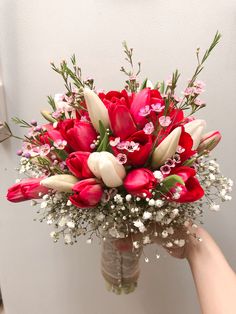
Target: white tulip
60 182
105 166
96 109
166 149
195 128
93 164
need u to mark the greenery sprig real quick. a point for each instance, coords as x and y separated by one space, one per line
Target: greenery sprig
132 84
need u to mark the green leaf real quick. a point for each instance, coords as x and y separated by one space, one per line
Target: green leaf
156 86
104 139
52 103
162 87
62 154
169 182
144 84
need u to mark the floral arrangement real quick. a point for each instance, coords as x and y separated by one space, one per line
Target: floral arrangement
111 164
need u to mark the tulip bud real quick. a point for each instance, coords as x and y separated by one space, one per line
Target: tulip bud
47 115
209 141
96 109
149 84
105 166
166 149
60 182
195 128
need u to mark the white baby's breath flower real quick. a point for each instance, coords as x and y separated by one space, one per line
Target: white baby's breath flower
100 217
164 234
62 222
70 224
128 197
174 213
215 207
159 203
158 175
118 199
147 215
67 238
138 223
53 234
44 204
136 244
159 216
151 202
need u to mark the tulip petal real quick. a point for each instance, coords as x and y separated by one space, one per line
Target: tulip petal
60 182
195 128
109 174
93 164
209 141
120 169
167 148
96 109
122 123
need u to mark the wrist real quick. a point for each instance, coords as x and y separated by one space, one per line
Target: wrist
196 246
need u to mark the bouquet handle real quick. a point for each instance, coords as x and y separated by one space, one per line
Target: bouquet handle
120 269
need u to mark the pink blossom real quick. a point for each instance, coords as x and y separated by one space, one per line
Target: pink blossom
157 107
44 150
115 142
165 121
122 145
132 146
166 169
180 149
122 158
189 91
149 128
145 111
60 144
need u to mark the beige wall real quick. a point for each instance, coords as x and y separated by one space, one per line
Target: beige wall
38 276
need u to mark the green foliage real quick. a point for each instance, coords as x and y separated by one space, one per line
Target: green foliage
22 123
144 84
52 103
132 84
104 139
169 182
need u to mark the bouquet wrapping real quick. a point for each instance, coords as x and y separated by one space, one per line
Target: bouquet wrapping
122 164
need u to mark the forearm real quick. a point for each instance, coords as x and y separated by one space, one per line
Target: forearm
214 279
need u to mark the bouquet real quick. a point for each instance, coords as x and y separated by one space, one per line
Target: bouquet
114 164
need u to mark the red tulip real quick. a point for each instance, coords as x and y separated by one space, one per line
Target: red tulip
27 189
87 193
51 135
139 156
145 97
78 134
77 164
192 190
121 121
209 141
115 97
139 182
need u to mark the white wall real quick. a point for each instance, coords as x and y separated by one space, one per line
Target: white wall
36 275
